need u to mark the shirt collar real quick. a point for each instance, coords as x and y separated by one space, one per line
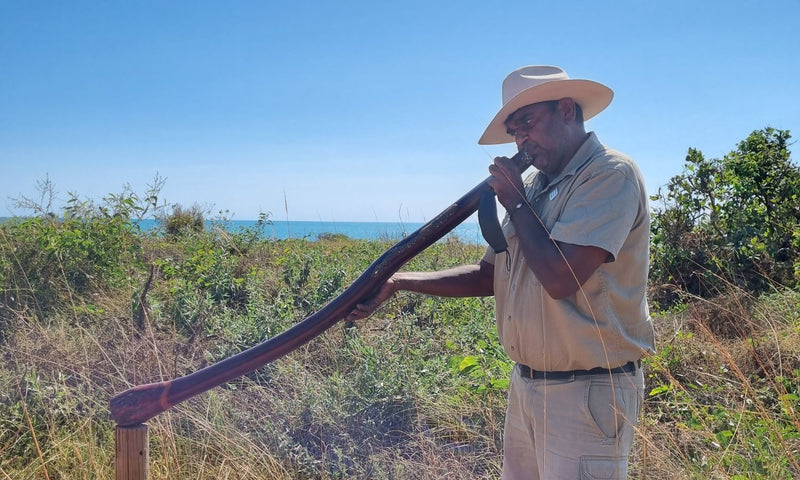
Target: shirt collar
581 157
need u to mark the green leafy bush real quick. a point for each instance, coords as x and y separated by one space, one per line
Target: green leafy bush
48 263
730 221
183 221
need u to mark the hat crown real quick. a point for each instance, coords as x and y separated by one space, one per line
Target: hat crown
528 77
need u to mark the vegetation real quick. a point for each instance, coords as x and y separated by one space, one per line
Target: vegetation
730 220
90 305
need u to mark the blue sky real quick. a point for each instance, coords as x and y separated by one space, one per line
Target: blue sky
362 111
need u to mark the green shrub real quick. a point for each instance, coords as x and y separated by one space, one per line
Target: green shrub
182 221
49 263
730 221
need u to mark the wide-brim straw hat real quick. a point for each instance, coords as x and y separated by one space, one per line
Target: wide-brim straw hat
539 83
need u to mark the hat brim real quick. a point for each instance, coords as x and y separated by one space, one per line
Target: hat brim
593 98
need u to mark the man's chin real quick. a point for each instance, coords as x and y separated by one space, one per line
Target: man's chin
539 163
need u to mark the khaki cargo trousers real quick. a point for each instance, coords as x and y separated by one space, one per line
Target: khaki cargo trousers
580 427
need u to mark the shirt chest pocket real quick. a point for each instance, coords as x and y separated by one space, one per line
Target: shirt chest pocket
547 210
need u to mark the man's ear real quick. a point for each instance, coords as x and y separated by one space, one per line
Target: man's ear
566 108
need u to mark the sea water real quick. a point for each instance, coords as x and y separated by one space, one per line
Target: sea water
467 232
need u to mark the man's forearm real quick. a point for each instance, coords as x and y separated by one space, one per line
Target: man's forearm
462 281
561 267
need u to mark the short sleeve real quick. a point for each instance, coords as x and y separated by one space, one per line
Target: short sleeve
601 210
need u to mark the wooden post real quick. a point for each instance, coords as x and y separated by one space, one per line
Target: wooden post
132 452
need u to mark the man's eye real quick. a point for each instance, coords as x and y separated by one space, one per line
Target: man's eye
524 124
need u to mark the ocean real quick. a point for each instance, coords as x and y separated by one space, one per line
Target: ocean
468 232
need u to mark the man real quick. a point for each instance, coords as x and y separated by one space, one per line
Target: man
570 289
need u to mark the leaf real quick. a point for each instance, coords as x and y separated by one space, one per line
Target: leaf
467 363
660 389
499 383
454 361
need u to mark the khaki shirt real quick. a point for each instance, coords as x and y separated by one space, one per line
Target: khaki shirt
600 200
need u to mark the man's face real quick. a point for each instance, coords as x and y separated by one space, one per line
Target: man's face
540 130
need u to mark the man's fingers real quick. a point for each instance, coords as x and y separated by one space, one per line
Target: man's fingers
371 304
360 311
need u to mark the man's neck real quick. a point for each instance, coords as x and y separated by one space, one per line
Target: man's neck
573 146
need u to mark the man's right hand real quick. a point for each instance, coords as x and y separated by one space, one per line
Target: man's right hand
370 304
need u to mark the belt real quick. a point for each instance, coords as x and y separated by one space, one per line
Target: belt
528 372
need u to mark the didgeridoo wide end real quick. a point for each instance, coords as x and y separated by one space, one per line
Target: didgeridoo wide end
140 403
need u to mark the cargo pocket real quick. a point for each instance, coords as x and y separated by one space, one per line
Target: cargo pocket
594 467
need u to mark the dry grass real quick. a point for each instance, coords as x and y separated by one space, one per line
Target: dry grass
378 400
729 376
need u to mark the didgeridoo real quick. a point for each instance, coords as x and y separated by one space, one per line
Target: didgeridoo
143 402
